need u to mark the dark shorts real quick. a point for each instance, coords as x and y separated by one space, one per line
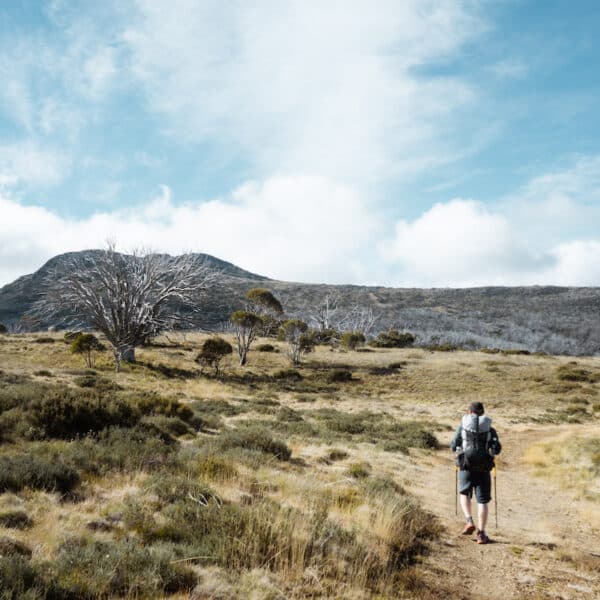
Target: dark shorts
480 482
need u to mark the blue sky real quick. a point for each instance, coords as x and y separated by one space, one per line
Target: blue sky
422 143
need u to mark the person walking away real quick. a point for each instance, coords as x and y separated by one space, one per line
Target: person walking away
475 443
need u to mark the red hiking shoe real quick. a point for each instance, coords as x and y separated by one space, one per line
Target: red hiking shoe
469 528
482 538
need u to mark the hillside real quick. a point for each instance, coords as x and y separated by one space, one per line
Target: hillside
556 320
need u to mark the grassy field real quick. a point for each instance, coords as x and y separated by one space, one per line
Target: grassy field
265 482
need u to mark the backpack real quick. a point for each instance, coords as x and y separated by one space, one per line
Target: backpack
476 437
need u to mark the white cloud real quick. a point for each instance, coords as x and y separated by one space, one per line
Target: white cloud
558 206
304 86
28 162
459 244
544 233
303 228
318 230
577 263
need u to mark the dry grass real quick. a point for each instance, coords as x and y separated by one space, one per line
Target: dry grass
332 520
572 460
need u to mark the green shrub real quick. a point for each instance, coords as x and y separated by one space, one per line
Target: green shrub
68 414
144 447
266 348
150 403
336 454
382 486
215 468
412 434
90 569
254 439
70 336
489 350
19 471
441 347
397 364
19 580
327 336
339 376
288 415
516 352
172 425
15 519
101 384
213 351
360 470
340 422
393 339
352 340
44 340
175 488
3 328
289 374
570 372
43 373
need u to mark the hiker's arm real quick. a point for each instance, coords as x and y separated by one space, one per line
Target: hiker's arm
456 440
495 443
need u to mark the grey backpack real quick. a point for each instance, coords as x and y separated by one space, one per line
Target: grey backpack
476 438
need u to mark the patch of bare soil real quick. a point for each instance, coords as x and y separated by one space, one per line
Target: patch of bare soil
541 547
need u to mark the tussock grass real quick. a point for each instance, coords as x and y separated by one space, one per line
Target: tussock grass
572 461
270 481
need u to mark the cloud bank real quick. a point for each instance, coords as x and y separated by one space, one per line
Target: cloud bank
310 229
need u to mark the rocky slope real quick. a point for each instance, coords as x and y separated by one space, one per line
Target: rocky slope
550 319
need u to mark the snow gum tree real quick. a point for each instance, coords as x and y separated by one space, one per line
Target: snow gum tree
246 327
263 303
300 341
128 298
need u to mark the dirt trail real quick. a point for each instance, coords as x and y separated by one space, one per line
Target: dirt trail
537 522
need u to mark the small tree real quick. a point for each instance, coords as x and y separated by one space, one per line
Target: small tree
3 328
300 340
213 351
353 339
87 344
263 303
246 327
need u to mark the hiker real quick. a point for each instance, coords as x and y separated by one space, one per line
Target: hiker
475 443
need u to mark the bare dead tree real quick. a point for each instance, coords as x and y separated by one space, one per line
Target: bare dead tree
128 298
362 319
323 314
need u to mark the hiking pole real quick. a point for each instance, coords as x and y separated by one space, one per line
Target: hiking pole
456 490
495 497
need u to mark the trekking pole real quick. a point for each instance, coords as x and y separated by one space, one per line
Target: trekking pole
495 498
456 490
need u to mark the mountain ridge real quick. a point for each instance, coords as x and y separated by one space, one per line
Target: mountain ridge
554 319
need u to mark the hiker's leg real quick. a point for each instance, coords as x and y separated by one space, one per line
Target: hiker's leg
465 504
482 515
465 487
483 493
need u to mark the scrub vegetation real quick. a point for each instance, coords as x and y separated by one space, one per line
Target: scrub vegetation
165 479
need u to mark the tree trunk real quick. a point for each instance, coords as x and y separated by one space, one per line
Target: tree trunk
243 358
128 355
